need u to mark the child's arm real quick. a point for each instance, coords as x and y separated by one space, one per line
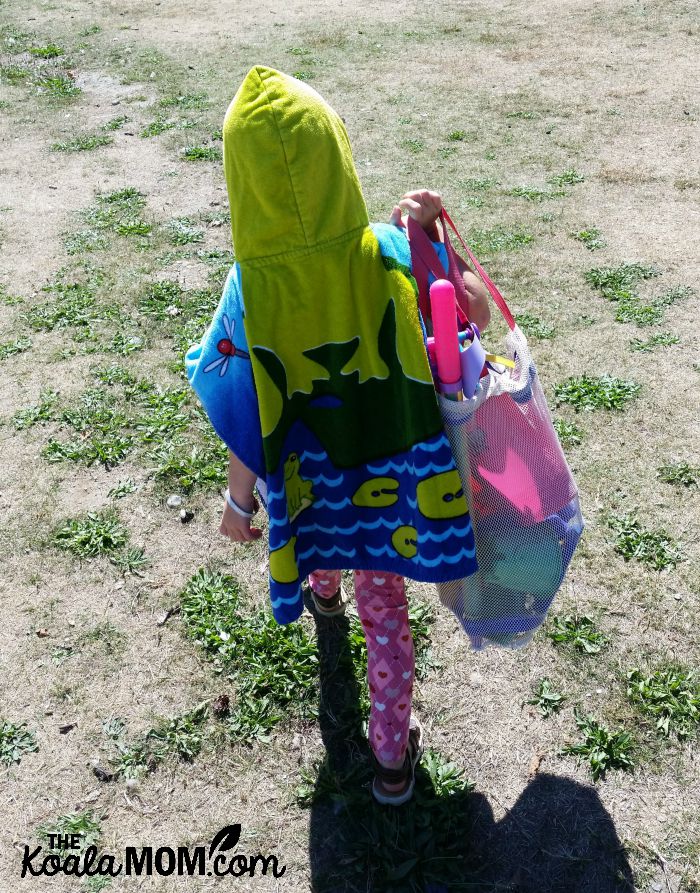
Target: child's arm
424 207
241 481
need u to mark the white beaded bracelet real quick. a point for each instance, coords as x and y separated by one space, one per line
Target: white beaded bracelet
236 507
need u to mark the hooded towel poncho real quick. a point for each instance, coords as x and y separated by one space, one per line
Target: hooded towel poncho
359 473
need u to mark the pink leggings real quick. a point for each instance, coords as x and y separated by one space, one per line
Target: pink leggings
383 610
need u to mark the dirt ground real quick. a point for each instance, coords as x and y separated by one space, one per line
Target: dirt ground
510 94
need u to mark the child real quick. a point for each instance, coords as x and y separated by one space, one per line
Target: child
314 373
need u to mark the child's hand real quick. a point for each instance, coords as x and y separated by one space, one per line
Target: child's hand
424 207
236 527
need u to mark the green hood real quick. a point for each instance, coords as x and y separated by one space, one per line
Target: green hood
334 336
291 179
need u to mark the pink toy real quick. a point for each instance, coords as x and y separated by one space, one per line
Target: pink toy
443 311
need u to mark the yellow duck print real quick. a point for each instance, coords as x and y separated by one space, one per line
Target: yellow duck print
283 563
376 493
405 541
441 496
299 490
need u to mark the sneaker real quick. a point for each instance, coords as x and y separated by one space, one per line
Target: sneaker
406 774
330 607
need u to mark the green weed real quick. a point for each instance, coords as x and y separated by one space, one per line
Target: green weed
546 699
532 194
131 561
50 51
184 467
588 392
119 212
97 533
73 305
115 123
670 696
41 412
201 153
85 240
186 101
275 668
569 433
653 547
417 847
303 74
13 74
616 283
182 231
478 183
10 348
533 326
181 737
566 178
15 741
457 135
601 748
90 30
85 824
661 339
58 87
447 152
161 418
155 128
122 489
500 238
680 473
106 635
590 237
578 631
413 145
107 449
84 143
523 115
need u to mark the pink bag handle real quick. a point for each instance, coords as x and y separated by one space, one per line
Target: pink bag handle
498 298
425 260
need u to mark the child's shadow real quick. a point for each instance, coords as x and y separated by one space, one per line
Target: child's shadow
557 838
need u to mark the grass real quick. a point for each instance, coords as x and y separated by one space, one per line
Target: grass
85 824
533 194
115 123
182 231
499 238
50 51
569 433
13 74
602 748
535 327
413 145
11 348
15 741
591 238
122 489
85 240
410 849
73 303
681 474
181 737
155 128
568 177
578 631
119 212
59 87
274 668
40 412
84 143
589 392
660 339
653 547
670 696
617 283
186 101
546 699
95 534
201 153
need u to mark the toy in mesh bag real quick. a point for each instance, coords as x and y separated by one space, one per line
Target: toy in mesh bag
523 499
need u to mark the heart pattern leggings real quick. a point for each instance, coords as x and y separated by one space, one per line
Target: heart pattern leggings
383 610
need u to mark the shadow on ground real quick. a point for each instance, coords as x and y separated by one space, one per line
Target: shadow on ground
558 838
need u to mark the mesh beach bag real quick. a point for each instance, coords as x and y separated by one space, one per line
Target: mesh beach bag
523 499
